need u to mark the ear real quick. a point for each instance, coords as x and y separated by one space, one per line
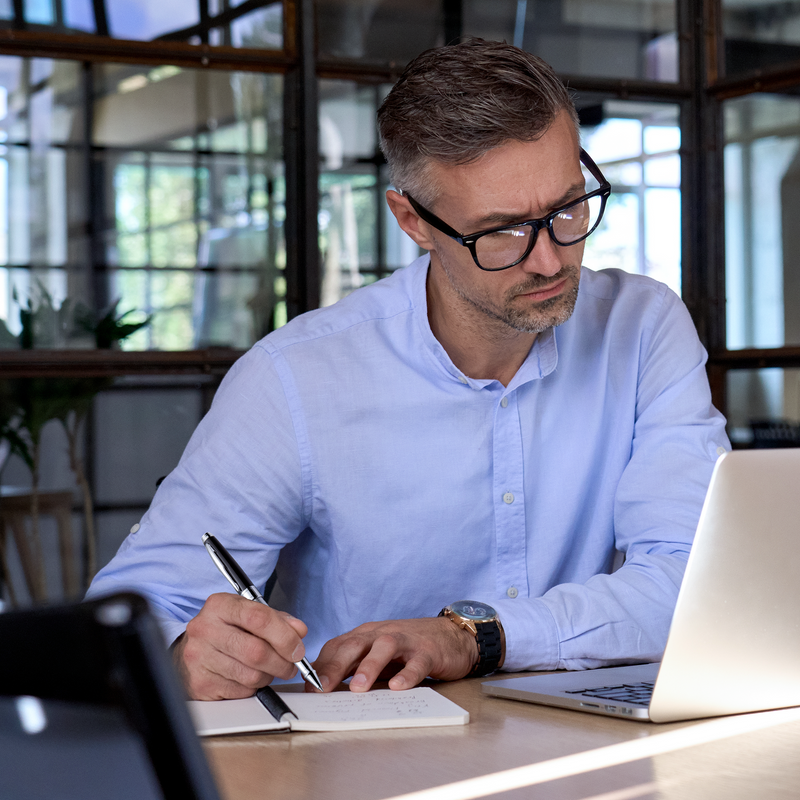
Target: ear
408 220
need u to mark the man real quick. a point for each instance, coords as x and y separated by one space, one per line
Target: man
438 437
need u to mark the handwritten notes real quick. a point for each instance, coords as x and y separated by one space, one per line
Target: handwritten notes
339 711
419 707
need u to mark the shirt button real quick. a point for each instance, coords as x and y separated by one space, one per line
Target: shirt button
462 379
721 450
508 498
512 592
135 527
504 402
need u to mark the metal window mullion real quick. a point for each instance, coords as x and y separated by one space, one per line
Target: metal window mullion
301 153
19 14
100 17
196 215
204 20
381 267
95 196
702 173
148 227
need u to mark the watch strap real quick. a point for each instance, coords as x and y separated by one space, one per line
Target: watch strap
490 639
490 648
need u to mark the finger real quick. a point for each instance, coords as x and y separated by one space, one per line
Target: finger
223 678
385 649
413 673
209 638
339 657
280 630
299 626
227 625
209 674
255 653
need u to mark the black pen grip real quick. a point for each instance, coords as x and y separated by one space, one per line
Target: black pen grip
270 699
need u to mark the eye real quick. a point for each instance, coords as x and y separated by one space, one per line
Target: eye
505 233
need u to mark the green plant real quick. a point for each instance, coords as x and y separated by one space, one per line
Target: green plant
28 404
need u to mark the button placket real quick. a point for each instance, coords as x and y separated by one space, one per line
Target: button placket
510 528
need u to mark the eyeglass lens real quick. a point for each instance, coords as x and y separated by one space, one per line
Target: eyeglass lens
502 248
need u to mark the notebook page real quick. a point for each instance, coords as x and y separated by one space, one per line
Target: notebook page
215 717
414 708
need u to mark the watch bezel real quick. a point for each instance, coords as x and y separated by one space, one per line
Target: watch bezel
466 609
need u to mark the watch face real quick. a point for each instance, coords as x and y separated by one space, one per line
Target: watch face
472 609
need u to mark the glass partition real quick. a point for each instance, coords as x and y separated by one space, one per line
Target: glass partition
762 205
764 407
187 185
360 240
234 23
612 38
637 146
759 34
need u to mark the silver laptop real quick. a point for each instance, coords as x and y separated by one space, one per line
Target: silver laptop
734 642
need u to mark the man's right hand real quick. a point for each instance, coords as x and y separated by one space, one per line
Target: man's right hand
235 646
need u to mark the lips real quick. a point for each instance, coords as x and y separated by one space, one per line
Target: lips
546 292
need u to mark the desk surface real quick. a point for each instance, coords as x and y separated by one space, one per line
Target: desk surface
518 750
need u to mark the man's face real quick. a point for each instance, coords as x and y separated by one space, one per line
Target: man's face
515 182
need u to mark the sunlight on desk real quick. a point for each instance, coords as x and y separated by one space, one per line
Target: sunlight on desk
613 755
520 751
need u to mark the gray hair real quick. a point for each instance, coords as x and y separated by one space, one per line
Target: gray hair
453 104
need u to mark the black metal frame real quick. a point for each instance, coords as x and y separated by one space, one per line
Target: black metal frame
699 93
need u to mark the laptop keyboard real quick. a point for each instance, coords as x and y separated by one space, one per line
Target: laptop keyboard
636 694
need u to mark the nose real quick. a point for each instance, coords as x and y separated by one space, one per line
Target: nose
545 258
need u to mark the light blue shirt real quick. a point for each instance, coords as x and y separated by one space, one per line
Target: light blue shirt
349 450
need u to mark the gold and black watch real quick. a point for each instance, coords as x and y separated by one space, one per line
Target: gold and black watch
482 622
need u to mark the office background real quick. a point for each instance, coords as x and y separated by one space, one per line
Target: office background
178 179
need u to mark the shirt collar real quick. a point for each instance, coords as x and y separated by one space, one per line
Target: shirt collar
540 361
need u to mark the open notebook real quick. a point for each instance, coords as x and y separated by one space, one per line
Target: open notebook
275 711
733 645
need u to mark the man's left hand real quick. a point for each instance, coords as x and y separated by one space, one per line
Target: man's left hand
408 650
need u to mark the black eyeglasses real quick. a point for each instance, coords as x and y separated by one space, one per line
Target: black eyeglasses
505 246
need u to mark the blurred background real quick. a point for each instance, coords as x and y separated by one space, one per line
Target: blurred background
178 179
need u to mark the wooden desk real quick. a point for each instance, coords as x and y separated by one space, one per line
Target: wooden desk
729 761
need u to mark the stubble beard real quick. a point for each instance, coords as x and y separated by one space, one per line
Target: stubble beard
545 314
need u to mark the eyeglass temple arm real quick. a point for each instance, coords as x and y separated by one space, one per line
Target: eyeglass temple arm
430 218
442 226
588 162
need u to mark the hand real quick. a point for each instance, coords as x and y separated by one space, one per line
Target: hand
410 650
235 646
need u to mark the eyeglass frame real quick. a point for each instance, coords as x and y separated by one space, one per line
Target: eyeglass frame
469 240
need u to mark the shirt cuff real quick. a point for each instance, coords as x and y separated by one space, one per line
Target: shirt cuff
532 641
171 629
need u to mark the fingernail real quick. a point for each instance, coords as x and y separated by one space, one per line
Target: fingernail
359 681
299 652
398 682
323 679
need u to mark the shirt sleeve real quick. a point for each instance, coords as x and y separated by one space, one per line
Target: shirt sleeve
624 617
240 478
